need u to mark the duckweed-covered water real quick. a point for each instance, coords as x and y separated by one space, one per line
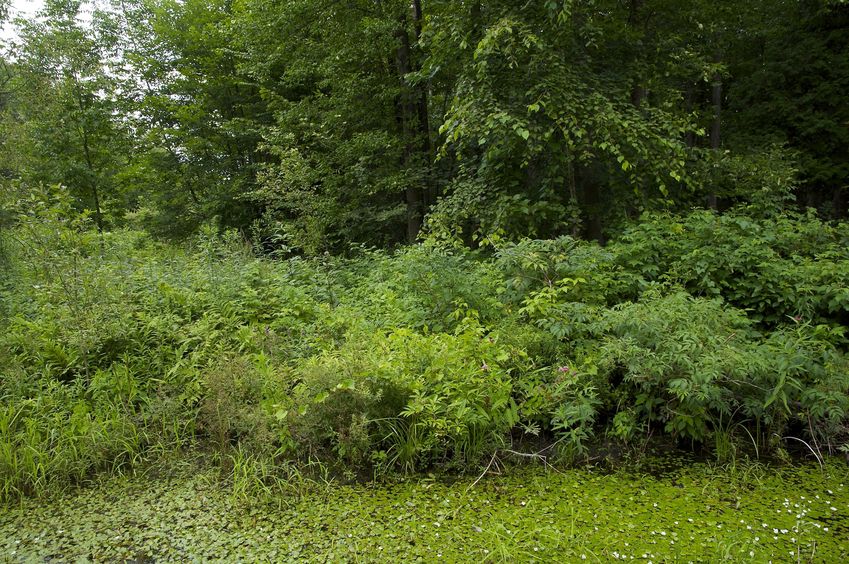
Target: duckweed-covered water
694 513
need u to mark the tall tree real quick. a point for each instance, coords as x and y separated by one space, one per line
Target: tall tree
789 76
196 117
350 139
545 120
61 111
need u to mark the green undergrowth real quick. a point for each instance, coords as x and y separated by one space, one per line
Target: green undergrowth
694 512
723 334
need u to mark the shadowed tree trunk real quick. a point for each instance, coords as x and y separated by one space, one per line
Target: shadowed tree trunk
638 91
406 109
413 117
423 115
716 100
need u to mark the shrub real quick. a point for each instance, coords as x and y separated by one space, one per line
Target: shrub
116 348
776 269
690 363
411 399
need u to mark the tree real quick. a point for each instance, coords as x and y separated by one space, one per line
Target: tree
196 119
320 123
61 112
544 120
350 142
789 74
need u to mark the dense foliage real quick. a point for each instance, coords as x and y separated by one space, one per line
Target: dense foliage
315 124
117 348
625 222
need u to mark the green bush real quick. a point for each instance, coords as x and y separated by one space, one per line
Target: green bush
406 398
688 364
776 269
116 349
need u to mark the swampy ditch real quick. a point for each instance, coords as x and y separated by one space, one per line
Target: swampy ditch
683 511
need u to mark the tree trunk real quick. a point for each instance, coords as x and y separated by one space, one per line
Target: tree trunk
423 104
595 227
407 110
716 98
98 214
634 7
638 91
838 207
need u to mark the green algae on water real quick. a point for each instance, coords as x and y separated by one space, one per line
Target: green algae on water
697 513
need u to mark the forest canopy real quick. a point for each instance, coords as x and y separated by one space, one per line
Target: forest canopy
312 125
